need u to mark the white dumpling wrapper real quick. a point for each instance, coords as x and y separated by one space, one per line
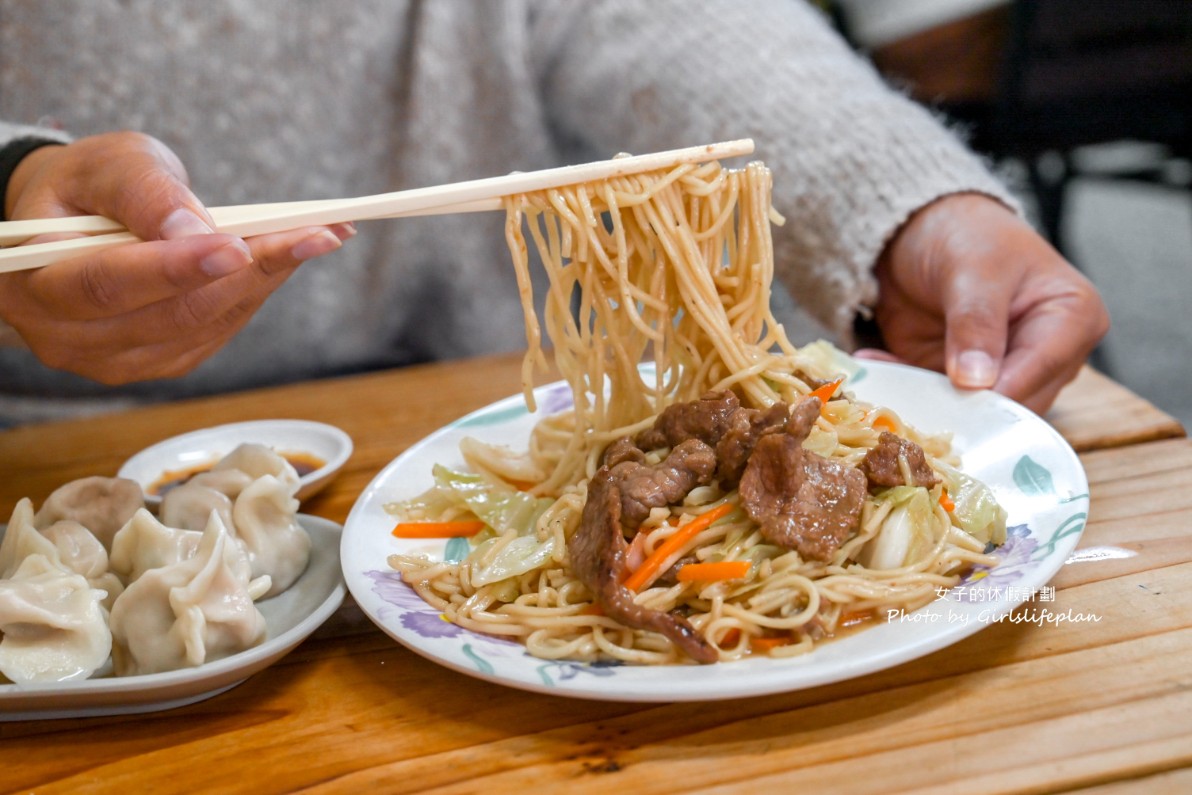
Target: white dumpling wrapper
266 519
257 461
102 505
189 506
145 543
229 482
192 612
21 539
54 626
81 552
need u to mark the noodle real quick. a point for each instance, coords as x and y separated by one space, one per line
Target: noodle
673 267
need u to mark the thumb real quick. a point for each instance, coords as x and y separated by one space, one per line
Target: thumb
975 339
159 206
148 191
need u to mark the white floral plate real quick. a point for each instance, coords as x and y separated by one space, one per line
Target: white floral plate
1032 470
290 617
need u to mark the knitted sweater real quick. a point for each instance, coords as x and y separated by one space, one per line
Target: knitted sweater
278 100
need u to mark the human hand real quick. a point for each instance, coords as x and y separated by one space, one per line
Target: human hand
147 310
969 288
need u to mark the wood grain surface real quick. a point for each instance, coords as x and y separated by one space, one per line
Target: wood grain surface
1021 706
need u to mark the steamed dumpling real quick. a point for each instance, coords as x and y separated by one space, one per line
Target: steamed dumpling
53 624
80 551
195 611
22 539
228 482
265 517
65 543
189 506
102 505
145 543
256 461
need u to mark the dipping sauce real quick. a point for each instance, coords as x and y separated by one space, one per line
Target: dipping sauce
303 463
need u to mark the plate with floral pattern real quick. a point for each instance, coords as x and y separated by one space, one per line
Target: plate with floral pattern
1033 472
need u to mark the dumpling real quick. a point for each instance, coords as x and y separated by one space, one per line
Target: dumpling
228 482
189 506
265 517
66 543
145 543
53 624
102 505
21 540
256 461
194 611
80 551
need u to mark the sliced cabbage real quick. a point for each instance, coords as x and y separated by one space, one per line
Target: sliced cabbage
827 358
522 554
821 442
977 511
502 509
906 534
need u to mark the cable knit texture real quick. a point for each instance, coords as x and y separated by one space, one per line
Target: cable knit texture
277 100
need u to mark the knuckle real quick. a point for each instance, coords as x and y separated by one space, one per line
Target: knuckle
152 185
95 281
194 310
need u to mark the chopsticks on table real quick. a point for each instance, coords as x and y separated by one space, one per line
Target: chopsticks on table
258 219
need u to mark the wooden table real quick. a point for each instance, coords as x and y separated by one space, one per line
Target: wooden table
1014 708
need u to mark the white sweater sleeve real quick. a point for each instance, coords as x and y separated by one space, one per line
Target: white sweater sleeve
11 132
852 159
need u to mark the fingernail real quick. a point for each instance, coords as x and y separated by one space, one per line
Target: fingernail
975 370
183 223
226 259
345 230
318 244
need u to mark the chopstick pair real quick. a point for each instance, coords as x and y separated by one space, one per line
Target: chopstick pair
258 219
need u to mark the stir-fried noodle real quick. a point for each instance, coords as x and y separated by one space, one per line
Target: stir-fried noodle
675 267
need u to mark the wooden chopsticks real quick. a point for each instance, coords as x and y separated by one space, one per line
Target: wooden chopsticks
258 219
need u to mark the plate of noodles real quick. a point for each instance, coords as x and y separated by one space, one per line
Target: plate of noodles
700 509
1030 470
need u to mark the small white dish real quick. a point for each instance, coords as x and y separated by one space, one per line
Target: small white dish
190 453
290 617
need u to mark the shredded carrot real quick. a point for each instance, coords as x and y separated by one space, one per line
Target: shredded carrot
521 485
946 501
825 392
884 423
767 644
709 572
593 609
731 638
652 566
465 527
